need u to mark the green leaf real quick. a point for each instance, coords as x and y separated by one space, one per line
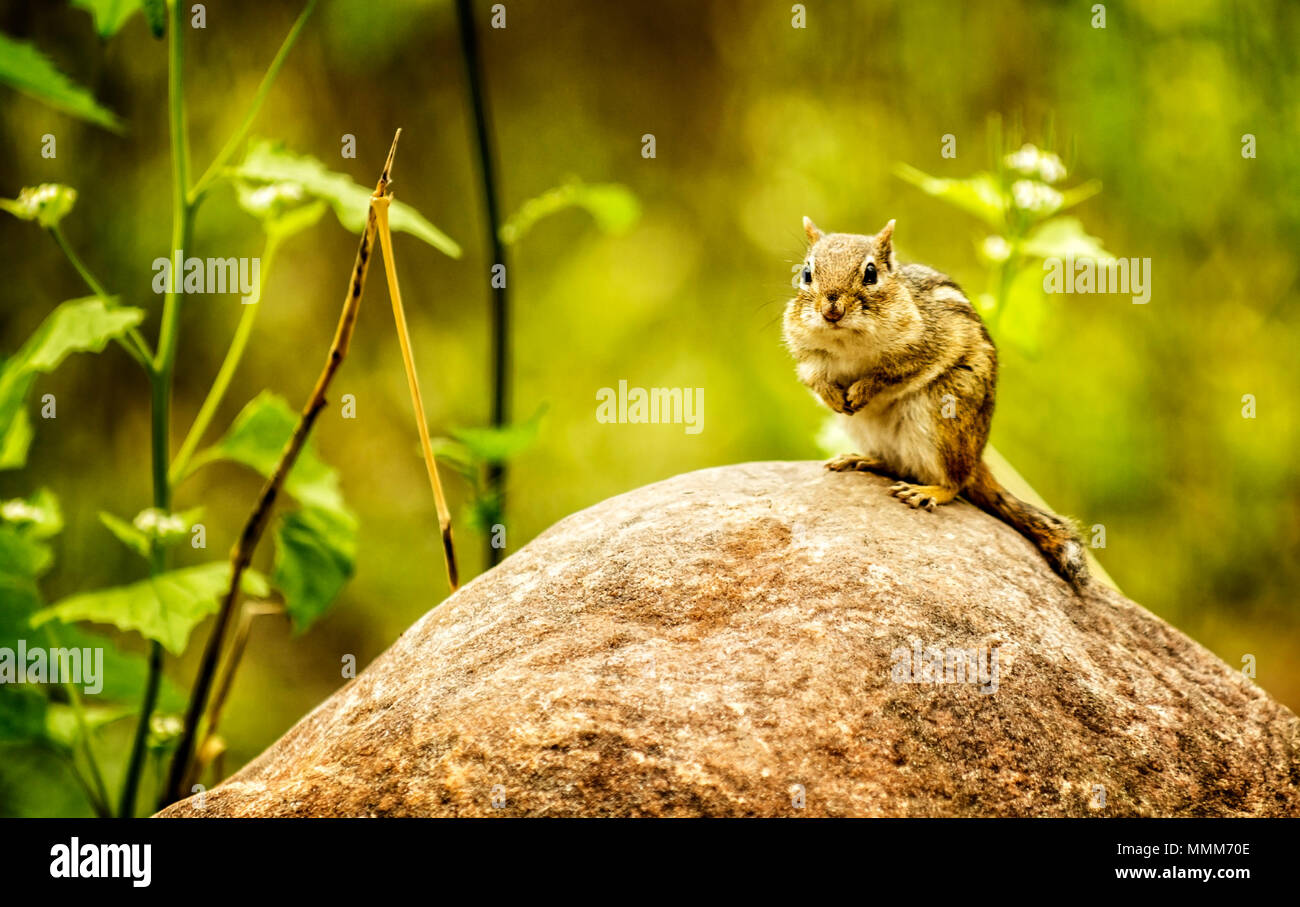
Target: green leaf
22 713
278 207
295 220
456 455
315 547
1062 236
258 437
164 608
155 13
109 15
76 326
19 599
22 710
47 204
268 163
613 205
63 729
979 195
22 556
33 785
15 441
1080 193
127 534
1024 312
15 383
125 673
26 69
22 560
315 556
497 445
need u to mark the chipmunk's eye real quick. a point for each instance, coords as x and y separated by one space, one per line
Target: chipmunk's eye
807 275
869 275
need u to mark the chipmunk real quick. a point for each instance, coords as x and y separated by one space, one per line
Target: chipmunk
901 354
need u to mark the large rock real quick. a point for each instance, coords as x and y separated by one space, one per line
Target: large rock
726 643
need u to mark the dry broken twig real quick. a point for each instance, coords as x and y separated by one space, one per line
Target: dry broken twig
242 554
379 207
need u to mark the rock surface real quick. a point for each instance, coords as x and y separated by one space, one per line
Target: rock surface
727 643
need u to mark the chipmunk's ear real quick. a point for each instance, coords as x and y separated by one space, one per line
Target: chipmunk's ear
885 246
811 229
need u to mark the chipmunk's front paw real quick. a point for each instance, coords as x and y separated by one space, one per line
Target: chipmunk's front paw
858 395
918 496
851 462
834 397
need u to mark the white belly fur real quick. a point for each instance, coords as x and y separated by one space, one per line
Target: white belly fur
900 433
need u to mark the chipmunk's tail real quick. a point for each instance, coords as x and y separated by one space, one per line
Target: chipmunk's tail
1055 537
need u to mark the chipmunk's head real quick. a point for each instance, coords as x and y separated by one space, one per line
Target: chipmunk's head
849 286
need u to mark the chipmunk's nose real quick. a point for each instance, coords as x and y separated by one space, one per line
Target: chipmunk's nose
832 311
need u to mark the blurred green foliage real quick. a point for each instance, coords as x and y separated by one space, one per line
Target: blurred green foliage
1128 416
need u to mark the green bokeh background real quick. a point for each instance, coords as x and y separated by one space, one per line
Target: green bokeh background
1130 417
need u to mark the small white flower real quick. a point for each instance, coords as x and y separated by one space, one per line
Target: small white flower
1035 197
263 199
1031 161
1050 168
1024 161
48 192
47 204
166 727
19 512
996 248
159 523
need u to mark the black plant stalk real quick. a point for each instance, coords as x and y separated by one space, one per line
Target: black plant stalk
496 472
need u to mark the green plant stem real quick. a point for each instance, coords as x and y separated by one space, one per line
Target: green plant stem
228 150
255 525
164 364
133 343
98 792
221 383
101 807
182 213
496 472
100 801
245 327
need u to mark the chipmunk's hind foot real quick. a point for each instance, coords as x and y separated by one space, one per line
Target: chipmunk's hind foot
922 496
